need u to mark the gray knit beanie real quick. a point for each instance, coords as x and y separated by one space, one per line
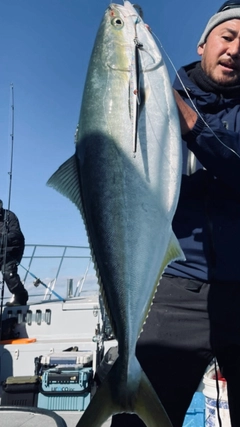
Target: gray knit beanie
218 19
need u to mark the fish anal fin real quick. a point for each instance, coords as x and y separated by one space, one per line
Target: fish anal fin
173 253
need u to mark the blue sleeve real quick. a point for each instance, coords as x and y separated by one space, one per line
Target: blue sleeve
217 148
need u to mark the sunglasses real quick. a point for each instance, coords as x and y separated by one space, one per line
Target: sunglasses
229 5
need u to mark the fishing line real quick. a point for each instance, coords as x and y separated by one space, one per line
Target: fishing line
192 103
40 282
218 393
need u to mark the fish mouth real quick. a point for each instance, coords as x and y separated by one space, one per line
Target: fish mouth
119 17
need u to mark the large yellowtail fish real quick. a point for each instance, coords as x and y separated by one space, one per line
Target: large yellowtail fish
124 177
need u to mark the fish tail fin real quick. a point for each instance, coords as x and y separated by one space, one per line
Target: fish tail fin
148 406
144 402
100 408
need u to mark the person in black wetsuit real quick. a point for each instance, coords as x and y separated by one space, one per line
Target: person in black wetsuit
12 245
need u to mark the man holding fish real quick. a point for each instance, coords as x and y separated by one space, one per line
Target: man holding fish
195 315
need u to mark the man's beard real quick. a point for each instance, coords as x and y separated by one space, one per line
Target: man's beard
226 83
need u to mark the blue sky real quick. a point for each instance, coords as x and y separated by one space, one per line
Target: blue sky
45 46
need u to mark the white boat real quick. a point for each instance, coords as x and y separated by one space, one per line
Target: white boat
63 313
63 328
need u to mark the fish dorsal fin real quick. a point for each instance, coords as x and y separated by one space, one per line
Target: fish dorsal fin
66 181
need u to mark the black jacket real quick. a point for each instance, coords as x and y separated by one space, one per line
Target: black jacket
207 220
10 227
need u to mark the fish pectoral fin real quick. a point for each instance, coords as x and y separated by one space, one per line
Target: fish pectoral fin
148 406
66 181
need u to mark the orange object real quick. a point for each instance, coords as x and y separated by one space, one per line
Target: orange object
19 341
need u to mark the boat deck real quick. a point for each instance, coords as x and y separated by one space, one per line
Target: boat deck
63 312
62 318
14 418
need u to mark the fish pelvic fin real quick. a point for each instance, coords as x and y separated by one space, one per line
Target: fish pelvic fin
113 397
66 181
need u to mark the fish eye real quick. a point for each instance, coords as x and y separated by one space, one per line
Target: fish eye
117 23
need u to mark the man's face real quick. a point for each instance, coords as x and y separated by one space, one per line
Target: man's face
221 53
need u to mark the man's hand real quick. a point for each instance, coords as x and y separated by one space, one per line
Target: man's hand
187 115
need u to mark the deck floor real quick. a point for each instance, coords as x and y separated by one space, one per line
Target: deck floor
28 419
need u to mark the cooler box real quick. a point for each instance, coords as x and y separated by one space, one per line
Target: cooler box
20 391
68 358
195 415
64 359
65 389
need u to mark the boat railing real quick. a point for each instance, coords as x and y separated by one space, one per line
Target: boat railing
57 271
